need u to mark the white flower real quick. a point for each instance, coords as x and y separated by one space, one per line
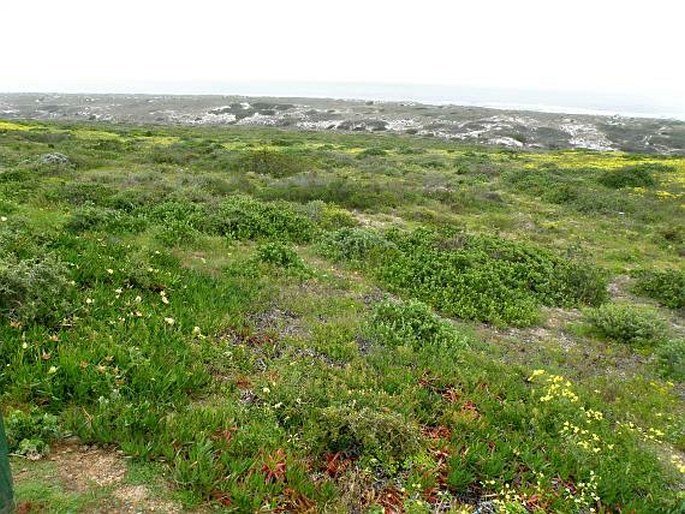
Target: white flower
110 271
169 321
52 370
89 301
3 218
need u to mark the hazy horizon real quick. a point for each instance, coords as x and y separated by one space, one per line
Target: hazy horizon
608 57
563 102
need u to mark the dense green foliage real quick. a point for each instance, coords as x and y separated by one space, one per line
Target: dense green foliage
473 277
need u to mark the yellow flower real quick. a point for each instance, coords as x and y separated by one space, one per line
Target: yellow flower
536 373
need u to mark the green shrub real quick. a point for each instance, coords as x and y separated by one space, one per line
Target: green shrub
353 244
366 432
665 286
372 152
629 324
177 232
34 290
280 255
328 216
239 217
474 277
94 218
19 239
486 278
641 175
340 190
275 163
671 359
78 193
30 433
242 217
411 323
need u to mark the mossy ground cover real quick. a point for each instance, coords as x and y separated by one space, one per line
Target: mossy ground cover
291 322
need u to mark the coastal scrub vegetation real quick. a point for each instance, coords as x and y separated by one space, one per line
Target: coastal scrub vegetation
281 321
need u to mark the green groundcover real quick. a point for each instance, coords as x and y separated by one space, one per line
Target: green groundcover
5 476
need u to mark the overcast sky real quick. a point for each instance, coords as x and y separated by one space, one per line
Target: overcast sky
604 46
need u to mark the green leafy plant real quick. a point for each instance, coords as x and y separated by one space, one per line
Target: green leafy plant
29 433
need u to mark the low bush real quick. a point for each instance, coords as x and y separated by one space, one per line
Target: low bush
239 217
671 359
34 290
372 152
94 218
356 432
327 216
353 244
29 434
487 278
281 255
76 193
243 217
641 175
411 323
353 194
473 277
665 286
275 163
628 324
176 232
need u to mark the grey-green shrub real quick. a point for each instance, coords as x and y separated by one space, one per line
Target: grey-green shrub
353 244
411 323
281 255
386 436
34 290
665 286
671 358
629 324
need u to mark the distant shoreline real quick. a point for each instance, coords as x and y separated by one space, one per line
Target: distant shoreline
553 102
